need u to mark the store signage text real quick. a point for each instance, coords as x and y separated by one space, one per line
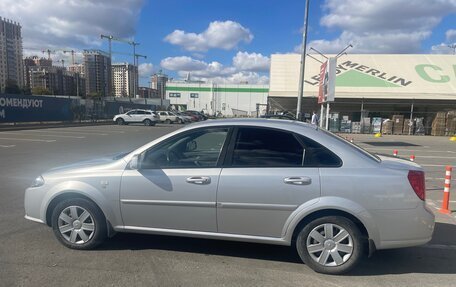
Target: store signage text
345 66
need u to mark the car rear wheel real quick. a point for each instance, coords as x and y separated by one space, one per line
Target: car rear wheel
79 224
120 121
147 122
168 121
180 121
330 245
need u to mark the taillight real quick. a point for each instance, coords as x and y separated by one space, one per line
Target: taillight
416 179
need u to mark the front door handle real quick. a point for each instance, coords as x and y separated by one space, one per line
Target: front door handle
199 179
298 180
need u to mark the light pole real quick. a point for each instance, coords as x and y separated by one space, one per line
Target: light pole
303 63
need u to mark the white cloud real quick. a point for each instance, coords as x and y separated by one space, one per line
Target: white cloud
251 62
61 24
222 35
450 35
182 63
381 26
441 49
444 48
145 69
212 71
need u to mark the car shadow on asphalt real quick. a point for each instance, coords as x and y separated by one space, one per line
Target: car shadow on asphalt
437 257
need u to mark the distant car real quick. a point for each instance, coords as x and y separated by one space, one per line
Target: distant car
168 117
195 118
263 181
187 118
201 116
147 117
280 117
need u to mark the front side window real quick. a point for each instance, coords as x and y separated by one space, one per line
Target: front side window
259 147
196 149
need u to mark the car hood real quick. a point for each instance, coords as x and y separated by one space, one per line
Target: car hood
398 163
86 165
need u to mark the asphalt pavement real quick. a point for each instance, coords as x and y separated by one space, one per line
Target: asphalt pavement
31 256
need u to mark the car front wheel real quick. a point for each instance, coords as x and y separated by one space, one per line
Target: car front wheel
330 245
79 224
147 122
120 121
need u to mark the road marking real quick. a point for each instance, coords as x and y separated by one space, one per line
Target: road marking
437 165
97 130
413 150
13 145
65 132
438 178
30 140
430 156
59 136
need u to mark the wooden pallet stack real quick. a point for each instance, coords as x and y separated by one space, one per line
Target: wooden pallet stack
398 124
387 127
451 123
439 124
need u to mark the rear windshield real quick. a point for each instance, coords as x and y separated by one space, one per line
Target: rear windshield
356 147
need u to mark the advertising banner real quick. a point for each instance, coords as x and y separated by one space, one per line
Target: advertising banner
22 108
327 82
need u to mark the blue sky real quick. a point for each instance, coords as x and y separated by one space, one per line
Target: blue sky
231 41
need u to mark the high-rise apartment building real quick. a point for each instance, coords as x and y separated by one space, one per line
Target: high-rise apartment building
97 71
11 65
158 82
124 76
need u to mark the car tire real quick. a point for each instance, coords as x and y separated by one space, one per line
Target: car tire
120 121
168 121
334 253
180 121
79 224
147 122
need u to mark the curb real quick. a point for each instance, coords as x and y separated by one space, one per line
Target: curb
44 125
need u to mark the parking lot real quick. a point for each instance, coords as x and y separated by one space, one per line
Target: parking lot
31 256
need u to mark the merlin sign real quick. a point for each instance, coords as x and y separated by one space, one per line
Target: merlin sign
370 76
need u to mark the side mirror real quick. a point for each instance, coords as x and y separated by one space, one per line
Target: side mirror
134 162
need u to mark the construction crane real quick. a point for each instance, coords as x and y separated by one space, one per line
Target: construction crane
72 55
112 38
49 52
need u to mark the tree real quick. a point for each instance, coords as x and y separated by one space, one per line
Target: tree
40 91
12 87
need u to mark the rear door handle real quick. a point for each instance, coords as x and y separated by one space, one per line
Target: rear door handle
199 179
298 180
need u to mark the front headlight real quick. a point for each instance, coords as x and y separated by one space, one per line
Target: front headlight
39 181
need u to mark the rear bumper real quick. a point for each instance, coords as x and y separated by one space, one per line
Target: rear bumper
404 228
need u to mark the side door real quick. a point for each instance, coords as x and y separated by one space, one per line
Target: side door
131 116
264 180
175 184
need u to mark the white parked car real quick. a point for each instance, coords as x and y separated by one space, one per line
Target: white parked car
170 117
147 117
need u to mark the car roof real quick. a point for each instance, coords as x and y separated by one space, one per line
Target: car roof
260 122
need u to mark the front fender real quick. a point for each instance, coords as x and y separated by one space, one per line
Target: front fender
81 188
330 203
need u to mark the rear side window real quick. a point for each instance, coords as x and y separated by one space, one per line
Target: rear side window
259 147
316 155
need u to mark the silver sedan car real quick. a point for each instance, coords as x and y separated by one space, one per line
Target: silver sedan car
266 181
